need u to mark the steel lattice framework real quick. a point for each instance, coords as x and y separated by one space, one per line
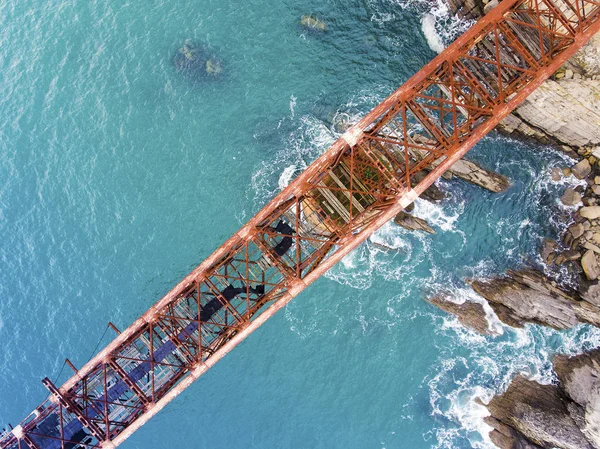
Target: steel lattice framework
361 182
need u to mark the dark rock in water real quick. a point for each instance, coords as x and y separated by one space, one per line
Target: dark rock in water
197 63
470 172
432 193
313 24
470 314
412 223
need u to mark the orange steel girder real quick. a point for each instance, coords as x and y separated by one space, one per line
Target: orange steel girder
361 182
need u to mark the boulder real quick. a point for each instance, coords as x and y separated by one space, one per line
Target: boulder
590 212
576 230
571 197
582 169
571 255
556 174
548 247
590 265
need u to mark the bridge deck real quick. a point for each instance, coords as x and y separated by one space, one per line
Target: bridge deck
356 186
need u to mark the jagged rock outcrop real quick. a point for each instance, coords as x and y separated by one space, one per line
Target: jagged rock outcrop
579 378
469 171
565 415
470 314
412 223
531 415
565 110
473 173
528 296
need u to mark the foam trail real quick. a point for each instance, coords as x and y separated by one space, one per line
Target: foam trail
434 40
286 176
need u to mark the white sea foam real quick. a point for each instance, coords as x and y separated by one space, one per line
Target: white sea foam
302 147
464 294
389 236
292 106
440 22
434 40
491 365
439 216
286 176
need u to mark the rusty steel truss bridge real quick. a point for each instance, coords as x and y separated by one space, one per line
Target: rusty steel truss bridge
361 182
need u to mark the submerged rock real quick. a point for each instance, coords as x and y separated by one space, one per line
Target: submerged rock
431 193
197 63
312 23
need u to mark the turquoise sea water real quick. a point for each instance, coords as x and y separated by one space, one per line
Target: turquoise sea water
118 176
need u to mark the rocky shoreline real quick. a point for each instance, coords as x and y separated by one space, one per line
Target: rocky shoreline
564 112
529 415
